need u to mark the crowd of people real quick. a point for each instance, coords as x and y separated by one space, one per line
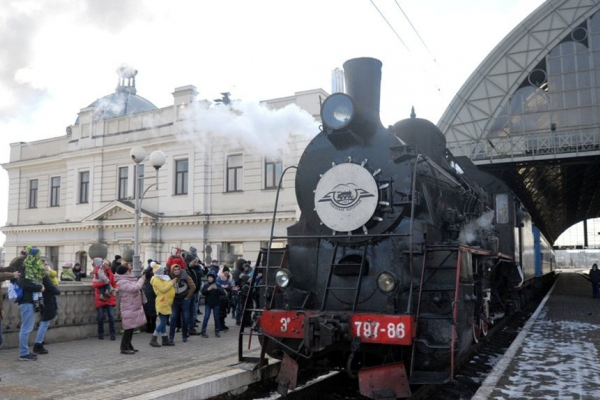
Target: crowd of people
166 295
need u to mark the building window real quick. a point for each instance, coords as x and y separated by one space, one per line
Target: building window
234 173
55 191
52 255
181 176
33 190
84 186
232 249
140 187
123 172
273 168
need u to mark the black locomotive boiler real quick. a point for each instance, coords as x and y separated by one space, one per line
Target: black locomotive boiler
403 255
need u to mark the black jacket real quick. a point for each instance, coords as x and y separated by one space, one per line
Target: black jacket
50 307
195 274
212 297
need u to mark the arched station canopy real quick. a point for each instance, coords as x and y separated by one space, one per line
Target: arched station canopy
530 114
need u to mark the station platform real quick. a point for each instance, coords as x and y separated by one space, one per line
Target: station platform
95 369
557 354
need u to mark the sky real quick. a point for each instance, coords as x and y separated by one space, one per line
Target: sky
59 56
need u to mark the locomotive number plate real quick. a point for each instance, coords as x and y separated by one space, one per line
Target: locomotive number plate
283 324
385 329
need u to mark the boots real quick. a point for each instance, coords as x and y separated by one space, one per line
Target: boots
154 341
166 342
38 348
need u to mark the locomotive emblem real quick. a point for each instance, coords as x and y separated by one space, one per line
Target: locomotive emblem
346 197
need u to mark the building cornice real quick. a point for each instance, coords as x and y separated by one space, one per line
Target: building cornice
158 222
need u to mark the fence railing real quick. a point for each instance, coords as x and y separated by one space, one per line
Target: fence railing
76 316
530 145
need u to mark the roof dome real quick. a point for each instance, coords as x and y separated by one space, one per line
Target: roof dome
424 135
124 101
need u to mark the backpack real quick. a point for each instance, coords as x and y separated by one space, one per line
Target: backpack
15 292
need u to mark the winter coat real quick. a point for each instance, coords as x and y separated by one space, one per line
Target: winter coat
212 297
595 275
67 275
132 309
111 300
29 287
53 277
4 276
196 274
185 285
150 304
165 293
50 307
224 281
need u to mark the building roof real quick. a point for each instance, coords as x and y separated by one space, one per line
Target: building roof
124 101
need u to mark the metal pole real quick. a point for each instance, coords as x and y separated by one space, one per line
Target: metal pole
137 267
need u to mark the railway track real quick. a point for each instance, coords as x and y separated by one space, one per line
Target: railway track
468 378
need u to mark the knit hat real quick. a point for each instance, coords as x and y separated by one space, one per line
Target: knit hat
97 262
34 251
157 268
193 250
68 264
122 269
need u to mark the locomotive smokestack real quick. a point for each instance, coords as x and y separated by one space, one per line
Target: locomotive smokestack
363 84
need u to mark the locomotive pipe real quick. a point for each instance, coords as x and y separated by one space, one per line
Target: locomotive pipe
363 85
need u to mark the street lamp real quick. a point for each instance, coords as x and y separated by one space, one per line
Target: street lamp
157 159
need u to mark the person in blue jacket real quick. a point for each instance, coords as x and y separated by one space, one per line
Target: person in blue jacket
212 292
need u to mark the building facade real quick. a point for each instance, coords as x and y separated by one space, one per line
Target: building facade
216 190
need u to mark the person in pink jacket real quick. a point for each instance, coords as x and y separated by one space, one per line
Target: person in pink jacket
131 306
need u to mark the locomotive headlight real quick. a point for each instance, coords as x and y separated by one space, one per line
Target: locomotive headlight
283 277
386 282
337 111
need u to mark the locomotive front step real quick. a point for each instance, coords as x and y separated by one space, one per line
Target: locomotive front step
428 377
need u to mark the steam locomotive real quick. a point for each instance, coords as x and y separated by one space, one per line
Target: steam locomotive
403 255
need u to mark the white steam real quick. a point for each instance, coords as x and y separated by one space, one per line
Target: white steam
249 125
473 229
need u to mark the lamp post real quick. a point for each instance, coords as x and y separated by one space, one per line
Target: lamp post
157 159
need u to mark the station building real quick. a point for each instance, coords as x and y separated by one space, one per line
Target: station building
216 190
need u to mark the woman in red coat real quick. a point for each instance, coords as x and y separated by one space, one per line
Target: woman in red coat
104 306
132 308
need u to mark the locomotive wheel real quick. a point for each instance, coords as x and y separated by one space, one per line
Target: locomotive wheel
480 329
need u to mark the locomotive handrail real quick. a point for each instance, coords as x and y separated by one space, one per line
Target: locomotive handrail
410 243
273 220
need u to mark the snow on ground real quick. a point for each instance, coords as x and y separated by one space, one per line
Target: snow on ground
557 361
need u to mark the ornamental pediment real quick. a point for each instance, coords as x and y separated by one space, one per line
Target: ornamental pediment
116 211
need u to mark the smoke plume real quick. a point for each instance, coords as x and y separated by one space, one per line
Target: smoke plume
251 126
473 230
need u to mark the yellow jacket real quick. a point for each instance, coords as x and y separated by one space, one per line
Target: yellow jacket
165 293
53 277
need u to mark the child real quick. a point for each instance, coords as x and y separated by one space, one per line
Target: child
67 272
34 271
105 290
212 292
